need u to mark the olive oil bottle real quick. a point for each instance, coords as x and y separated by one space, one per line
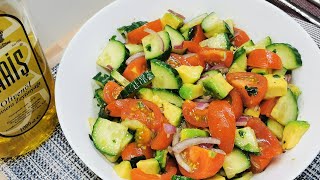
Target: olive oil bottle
27 108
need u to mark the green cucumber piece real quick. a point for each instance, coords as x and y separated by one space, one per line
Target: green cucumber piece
119 78
218 41
107 136
101 79
246 140
176 39
197 20
235 163
157 46
138 83
290 56
166 77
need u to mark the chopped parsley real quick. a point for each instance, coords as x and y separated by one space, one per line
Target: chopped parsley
241 133
276 76
252 91
148 47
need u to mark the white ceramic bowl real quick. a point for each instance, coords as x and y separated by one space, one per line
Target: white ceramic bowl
74 93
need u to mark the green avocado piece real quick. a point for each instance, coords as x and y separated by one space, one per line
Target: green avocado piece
191 91
149 166
123 169
217 86
293 132
172 113
188 133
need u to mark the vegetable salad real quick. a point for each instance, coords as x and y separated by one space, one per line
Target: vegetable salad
194 100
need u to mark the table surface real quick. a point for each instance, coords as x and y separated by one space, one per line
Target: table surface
54 54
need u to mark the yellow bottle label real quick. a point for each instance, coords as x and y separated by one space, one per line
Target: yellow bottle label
24 93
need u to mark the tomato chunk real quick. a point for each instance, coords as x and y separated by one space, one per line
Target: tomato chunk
261 58
222 124
194 116
240 37
135 36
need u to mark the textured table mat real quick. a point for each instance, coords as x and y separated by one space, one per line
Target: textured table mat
55 159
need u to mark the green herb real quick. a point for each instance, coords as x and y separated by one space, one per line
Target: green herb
241 133
140 105
275 51
252 91
126 29
148 47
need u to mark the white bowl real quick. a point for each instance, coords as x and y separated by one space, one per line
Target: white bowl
74 93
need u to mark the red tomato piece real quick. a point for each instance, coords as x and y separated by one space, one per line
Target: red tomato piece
251 86
261 58
198 35
204 163
222 124
135 69
194 116
111 91
236 103
135 36
137 174
162 140
240 37
268 143
133 150
267 106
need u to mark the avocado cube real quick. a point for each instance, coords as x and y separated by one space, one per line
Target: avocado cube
188 133
191 91
277 86
254 111
149 166
216 177
172 113
217 86
293 132
189 74
123 169
295 90
275 127
171 20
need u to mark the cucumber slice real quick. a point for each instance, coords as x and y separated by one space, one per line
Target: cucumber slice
125 141
290 56
134 48
263 43
240 61
286 109
119 78
235 162
176 39
189 34
218 41
113 55
98 95
107 136
246 140
138 83
230 26
213 25
168 96
165 76
157 45
197 20
248 46
101 79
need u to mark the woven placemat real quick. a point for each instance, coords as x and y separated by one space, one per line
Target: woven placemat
55 159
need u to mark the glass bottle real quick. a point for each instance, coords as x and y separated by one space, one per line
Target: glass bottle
27 108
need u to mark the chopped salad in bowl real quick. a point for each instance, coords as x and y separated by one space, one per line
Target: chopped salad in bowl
194 99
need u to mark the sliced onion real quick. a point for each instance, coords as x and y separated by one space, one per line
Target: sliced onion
218 151
133 57
288 77
204 99
202 105
186 56
208 67
109 68
182 163
176 137
242 121
150 31
169 129
177 14
218 66
180 46
179 147
206 146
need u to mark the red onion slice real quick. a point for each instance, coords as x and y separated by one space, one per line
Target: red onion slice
202 105
109 68
179 147
169 129
182 163
218 66
218 151
176 137
186 56
133 57
242 121
288 77
180 46
177 14
150 31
